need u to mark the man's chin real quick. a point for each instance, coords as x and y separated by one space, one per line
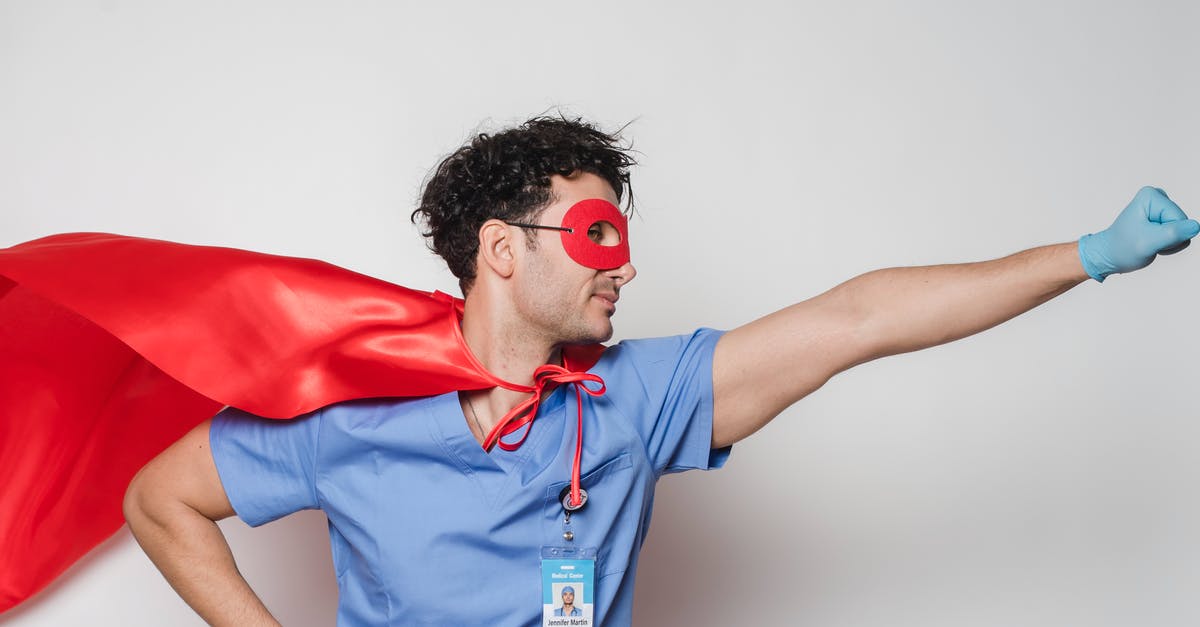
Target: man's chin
598 335
605 334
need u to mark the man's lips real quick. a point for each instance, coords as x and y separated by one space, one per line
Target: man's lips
609 298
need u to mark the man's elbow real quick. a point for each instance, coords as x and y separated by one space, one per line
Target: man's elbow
151 503
137 504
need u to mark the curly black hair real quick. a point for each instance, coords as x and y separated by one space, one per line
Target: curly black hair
507 176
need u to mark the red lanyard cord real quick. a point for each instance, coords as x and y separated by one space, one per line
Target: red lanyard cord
547 378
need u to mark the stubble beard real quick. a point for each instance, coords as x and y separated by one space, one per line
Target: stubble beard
560 321
563 327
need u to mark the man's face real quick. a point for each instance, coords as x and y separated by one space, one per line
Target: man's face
562 299
568 597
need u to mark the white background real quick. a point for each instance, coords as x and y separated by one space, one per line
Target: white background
1041 474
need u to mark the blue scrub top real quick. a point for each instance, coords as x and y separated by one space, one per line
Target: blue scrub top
429 529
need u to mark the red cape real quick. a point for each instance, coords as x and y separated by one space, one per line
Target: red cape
112 347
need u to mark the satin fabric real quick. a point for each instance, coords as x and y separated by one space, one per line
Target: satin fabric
113 347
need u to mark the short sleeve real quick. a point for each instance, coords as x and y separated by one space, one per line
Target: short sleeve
665 386
267 467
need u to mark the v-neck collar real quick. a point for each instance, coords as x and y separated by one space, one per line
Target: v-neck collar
499 471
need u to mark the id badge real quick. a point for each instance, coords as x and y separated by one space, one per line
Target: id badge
568 586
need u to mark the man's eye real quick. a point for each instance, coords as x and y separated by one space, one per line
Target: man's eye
604 233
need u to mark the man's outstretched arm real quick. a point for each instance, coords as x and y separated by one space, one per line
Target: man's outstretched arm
763 367
172 505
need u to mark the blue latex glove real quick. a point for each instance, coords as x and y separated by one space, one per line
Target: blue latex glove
1151 225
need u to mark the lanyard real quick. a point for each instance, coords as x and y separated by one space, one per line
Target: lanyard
547 378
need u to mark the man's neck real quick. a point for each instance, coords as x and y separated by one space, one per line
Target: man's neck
506 349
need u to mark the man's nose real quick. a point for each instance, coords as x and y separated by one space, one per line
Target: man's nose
623 274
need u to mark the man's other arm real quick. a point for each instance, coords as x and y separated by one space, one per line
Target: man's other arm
763 367
172 506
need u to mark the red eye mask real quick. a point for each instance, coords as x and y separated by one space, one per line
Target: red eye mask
580 218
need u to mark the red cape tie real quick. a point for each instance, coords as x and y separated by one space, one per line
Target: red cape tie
546 378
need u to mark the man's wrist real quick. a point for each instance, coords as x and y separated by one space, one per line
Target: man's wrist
1094 264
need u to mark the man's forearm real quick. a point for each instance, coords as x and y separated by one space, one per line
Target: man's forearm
792 352
193 555
907 309
172 506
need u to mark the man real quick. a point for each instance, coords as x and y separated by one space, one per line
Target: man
568 604
418 506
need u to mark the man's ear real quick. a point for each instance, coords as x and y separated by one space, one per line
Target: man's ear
497 244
